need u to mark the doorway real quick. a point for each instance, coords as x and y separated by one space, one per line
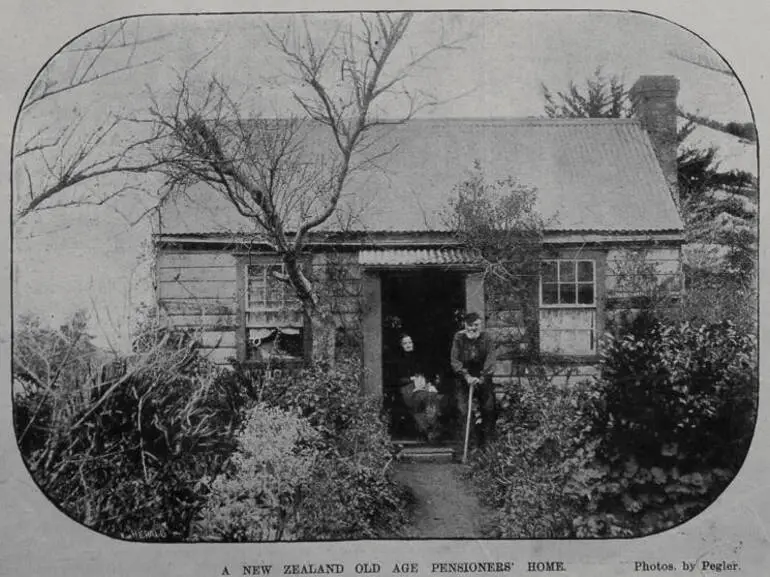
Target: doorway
426 304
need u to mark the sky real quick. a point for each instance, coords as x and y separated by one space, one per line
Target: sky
91 257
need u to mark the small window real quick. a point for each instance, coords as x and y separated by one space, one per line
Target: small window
268 289
567 283
273 319
275 344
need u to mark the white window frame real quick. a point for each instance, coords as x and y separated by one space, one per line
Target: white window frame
574 305
289 300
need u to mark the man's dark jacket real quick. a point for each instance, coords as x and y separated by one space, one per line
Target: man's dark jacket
474 357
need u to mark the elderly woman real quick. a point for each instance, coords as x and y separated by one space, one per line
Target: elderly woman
418 395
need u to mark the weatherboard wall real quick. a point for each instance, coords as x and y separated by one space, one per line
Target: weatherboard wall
203 290
197 290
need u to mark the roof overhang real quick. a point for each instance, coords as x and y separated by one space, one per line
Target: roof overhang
599 238
417 258
383 240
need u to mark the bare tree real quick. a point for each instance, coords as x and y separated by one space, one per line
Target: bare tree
57 144
287 174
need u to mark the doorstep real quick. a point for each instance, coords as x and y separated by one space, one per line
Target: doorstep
422 452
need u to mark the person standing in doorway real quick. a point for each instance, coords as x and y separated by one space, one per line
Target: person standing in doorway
473 363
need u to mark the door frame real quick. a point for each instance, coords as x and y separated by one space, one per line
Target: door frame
372 317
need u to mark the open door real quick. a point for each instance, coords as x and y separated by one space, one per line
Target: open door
427 305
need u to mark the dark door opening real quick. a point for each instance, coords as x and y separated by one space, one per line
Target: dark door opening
427 305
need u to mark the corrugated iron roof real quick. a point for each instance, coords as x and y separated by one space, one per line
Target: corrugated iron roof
589 174
416 257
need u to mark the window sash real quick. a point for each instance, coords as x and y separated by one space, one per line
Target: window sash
567 293
568 332
265 293
274 344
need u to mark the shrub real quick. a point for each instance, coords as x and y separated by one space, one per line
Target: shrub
349 500
674 424
522 475
329 397
713 297
260 497
680 386
348 492
121 447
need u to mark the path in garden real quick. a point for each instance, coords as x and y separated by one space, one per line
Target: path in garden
446 505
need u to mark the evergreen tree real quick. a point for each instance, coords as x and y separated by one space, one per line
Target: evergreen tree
718 206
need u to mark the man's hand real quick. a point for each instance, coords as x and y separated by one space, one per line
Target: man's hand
472 380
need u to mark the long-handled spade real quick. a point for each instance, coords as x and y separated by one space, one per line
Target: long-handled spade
468 423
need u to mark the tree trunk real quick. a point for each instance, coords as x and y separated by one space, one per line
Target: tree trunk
322 329
322 334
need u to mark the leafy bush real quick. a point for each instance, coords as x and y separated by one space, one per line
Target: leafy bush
260 496
347 493
140 446
680 386
329 397
352 501
522 475
647 446
713 297
121 446
673 426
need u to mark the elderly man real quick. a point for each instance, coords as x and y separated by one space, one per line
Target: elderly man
473 363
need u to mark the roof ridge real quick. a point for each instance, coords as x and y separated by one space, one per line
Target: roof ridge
529 120
499 120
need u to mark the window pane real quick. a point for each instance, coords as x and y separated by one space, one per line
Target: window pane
274 295
550 294
290 345
567 271
567 331
585 294
256 272
256 295
567 294
276 346
549 271
585 271
255 286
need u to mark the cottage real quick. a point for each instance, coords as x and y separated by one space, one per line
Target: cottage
606 187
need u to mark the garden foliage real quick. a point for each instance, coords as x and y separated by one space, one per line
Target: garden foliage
267 476
344 491
161 445
674 424
522 475
646 446
121 446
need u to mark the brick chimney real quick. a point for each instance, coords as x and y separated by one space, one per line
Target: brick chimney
654 100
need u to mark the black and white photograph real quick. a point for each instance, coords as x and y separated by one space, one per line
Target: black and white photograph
473 290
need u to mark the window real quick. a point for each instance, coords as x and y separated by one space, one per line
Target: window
567 283
567 317
267 291
275 344
274 320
